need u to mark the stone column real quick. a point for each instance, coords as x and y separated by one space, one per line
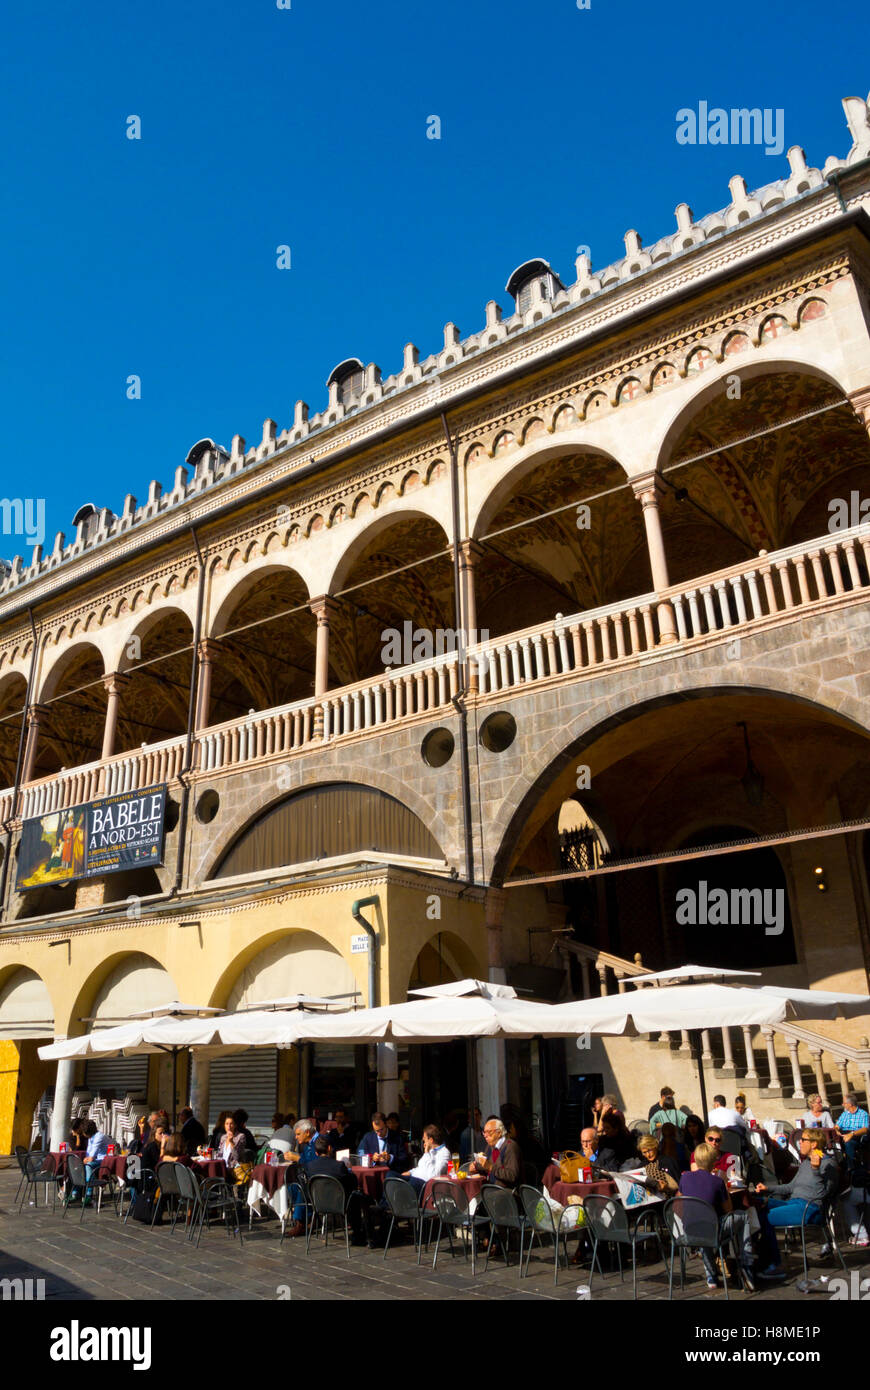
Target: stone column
35 715
209 651
388 1077
61 1110
470 554
114 684
324 609
491 1065
647 490
200 1073
861 404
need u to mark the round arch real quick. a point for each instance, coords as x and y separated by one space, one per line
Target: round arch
280 964
26 1007
239 585
529 457
445 957
377 523
121 986
56 675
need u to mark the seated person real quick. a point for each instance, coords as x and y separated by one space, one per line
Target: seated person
817 1116
471 1140
702 1183
153 1150
723 1116
191 1130
815 1182
323 1164
433 1163
303 1153
97 1143
250 1144
219 1130
589 1144
502 1163
604 1105
616 1146
343 1135
383 1146
856 1202
232 1144
661 1173
395 1129
671 1144
713 1138
279 1141
77 1138
743 1110
694 1132
175 1150
852 1125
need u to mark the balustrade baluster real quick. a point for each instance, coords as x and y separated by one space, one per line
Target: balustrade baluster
737 587
682 631
648 631
538 658
442 684
453 673
357 718
697 625
709 609
420 692
619 634
797 1093
833 555
751 1073
803 586
550 639
772 1061
727 1052
564 659
816 1054
724 607
785 581
706 1052
769 589
390 692
504 673
591 644
852 564
513 648
819 574
634 634
379 703
754 595
576 646
604 629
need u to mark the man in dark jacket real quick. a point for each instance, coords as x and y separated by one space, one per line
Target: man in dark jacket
324 1165
383 1146
192 1131
503 1163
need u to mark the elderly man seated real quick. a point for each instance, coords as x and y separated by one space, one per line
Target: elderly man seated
814 1184
304 1153
589 1144
433 1163
852 1124
502 1163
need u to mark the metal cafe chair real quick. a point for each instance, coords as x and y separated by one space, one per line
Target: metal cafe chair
825 1228
541 1222
218 1196
330 1203
500 1205
189 1197
87 1185
694 1225
37 1170
170 1191
404 1205
21 1156
451 1205
609 1224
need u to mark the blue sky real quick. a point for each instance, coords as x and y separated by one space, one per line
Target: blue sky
307 127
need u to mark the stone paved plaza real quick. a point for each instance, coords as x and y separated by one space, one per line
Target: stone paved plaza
100 1258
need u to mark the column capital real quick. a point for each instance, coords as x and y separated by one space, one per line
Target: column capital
470 551
648 488
209 649
324 608
114 682
860 400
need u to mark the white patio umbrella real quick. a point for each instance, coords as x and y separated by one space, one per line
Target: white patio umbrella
684 973
698 1006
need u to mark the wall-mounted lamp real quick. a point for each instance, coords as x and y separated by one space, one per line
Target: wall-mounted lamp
821 881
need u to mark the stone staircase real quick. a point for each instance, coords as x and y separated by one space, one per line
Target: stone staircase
779 1066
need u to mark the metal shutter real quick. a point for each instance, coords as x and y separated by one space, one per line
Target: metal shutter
246 1081
117 1076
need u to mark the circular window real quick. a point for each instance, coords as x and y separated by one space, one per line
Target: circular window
438 746
498 731
207 807
170 815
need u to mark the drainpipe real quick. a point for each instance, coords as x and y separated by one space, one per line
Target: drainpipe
191 707
17 786
457 700
373 949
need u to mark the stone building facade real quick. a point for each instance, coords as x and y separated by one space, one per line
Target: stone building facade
640 500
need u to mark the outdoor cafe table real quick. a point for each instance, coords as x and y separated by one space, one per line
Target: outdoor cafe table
561 1191
269 1183
371 1180
209 1167
471 1186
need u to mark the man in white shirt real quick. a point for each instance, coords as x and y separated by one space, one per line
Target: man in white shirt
433 1163
725 1118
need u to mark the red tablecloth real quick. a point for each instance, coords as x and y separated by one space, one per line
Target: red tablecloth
371 1180
561 1191
209 1167
271 1176
114 1166
470 1186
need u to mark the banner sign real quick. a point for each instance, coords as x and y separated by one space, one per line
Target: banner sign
124 831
